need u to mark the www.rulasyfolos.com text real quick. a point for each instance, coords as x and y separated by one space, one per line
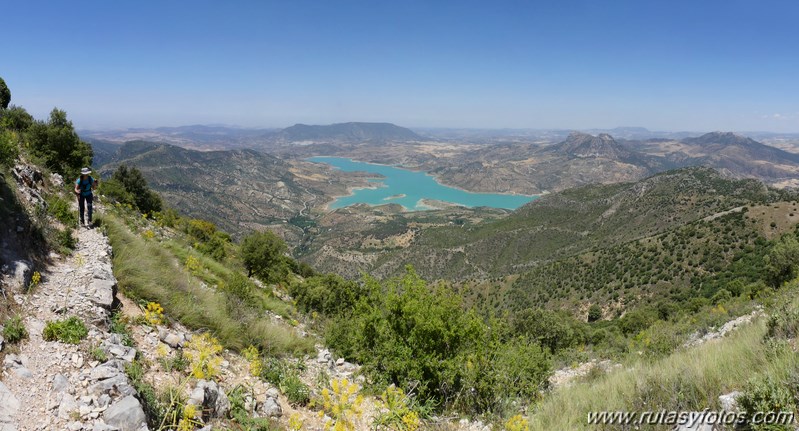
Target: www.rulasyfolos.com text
707 416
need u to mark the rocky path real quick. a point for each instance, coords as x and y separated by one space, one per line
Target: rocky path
50 385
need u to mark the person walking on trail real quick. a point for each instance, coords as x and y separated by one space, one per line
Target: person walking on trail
83 188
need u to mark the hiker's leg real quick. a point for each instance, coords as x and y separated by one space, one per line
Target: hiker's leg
89 200
81 205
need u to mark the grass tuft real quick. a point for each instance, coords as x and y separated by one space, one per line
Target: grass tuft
148 271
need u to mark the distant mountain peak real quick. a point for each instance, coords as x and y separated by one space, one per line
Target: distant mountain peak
348 132
583 145
723 138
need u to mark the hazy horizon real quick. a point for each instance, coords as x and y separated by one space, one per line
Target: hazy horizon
676 66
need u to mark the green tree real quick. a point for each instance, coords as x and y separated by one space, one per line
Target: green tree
328 294
58 145
261 252
636 321
782 260
594 313
553 330
15 118
133 183
5 94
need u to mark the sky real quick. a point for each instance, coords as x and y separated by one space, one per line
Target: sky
665 65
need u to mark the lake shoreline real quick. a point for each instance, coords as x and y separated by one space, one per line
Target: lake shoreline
450 194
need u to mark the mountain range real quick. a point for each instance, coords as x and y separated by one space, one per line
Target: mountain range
345 132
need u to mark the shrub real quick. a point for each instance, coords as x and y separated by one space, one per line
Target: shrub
783 324
497 373
396 411
240 291
297 392
517 423
62 212
252 356
98 354
9 150
636 321
168 217
14 330
208 240
70 331
723 295
203 355
65 239
765 395
343 404
154 314
273 370
193 265
554 330
409 334
328 294
295 422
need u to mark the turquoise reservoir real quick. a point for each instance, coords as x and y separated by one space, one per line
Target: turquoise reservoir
408 188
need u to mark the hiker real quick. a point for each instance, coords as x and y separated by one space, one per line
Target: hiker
83 188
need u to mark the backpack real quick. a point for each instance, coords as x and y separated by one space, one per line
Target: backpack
85 186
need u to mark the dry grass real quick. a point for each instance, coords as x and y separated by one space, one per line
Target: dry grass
147 271
688 380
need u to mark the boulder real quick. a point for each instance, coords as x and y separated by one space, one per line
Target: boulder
27 175
20 273
729 402
9 405
126 414
211 398
271 408
57 180
60 383
173 340
112 386
67 407
103 292
23 373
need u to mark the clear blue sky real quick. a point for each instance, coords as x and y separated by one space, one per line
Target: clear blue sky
666 65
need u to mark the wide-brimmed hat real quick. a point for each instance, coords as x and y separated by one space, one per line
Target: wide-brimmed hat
85 171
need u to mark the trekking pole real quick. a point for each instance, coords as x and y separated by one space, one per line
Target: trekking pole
77 197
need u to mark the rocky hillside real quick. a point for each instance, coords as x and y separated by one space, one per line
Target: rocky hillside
585 145
79 355
555 226
240 190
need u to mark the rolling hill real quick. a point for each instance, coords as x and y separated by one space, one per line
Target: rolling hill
240 190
